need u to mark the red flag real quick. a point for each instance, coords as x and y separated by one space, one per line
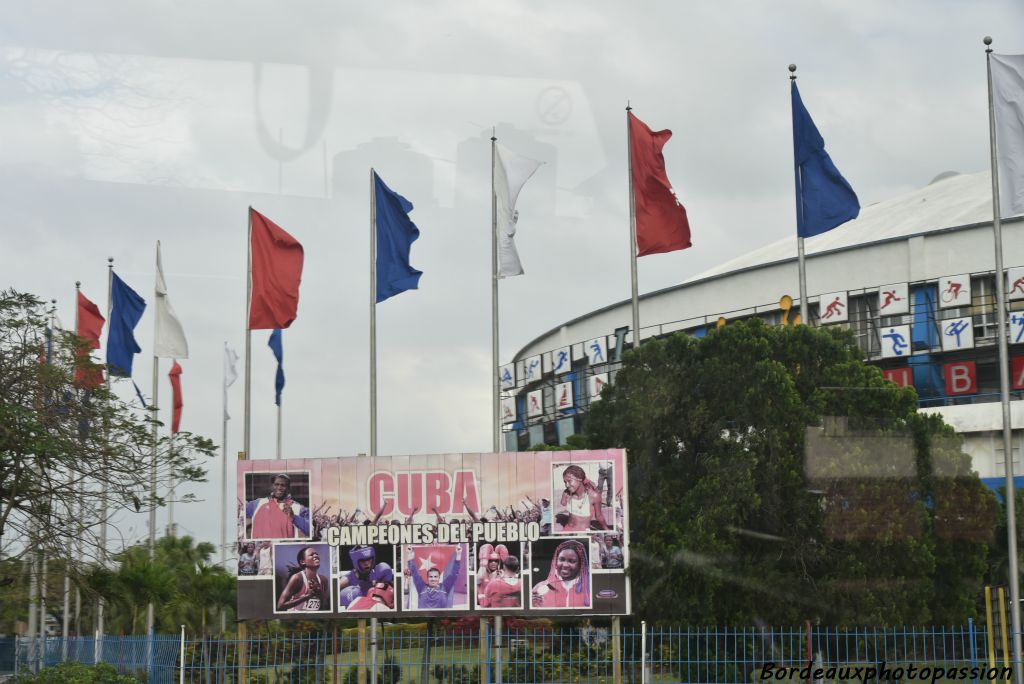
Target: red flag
90 327
661 224
276 273
175 376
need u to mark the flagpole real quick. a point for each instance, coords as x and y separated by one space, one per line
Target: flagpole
801 263
373 381
248 340
496 400
1004 379
154 407
279 431
81 504
100 603
224 480
635 298
42 554
802 268
172 494
66 622
373 316
495 386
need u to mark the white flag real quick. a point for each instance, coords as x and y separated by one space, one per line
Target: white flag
230 371
510 174
1008 104
169 340
230 374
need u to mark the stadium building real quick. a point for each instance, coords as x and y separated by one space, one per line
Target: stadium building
913 277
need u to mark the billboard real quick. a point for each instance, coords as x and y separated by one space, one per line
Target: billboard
528 533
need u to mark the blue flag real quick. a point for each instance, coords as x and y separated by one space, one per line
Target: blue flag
395 234
125 313
824 199
278 348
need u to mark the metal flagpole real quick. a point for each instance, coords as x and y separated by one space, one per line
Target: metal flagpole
66 622
248 340
1004 381
43 561
42 610
279 431
81 509
373 379
495 384
100 603
154 407
33 599
801 263
496 403
170 498
373 315
635 299
802 267
224 479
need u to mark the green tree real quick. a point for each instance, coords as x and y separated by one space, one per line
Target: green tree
776 477
71 458
999 557
180 580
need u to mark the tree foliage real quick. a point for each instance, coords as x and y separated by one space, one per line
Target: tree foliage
71 458
180 580
775 477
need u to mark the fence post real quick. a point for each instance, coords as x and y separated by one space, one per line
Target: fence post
643 652
334 651
616 651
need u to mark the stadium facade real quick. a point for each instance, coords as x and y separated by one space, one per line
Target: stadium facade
913 277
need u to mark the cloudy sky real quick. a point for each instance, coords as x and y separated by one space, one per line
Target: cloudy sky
124 123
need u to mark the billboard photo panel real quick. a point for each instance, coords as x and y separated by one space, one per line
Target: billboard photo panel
277 504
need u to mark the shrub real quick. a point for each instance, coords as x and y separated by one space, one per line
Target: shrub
77 673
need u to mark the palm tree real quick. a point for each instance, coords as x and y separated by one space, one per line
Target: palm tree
202 586
180 582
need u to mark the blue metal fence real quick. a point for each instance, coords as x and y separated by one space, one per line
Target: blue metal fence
412 654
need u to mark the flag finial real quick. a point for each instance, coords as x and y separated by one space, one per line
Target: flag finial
792 72
987 40
494 132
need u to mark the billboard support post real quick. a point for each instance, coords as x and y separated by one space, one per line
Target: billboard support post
334 653
373 650
497 649
616 650
243 652
361 628
483 650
